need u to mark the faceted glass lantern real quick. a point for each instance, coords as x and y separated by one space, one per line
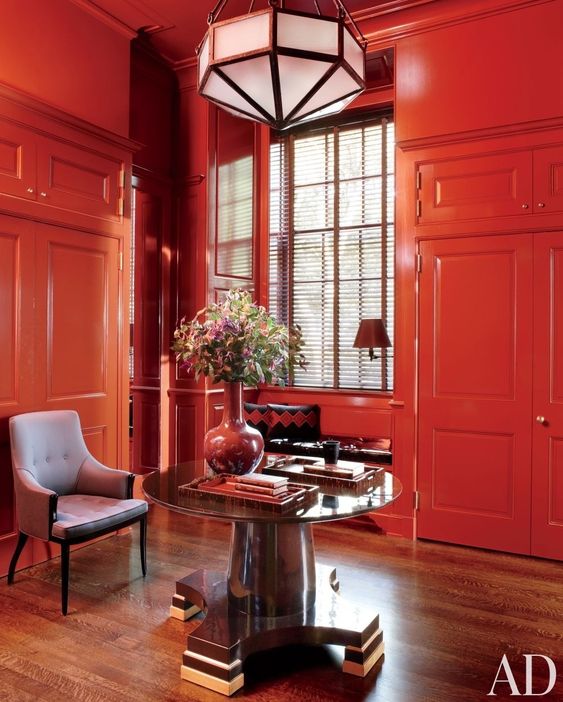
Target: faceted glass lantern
281 67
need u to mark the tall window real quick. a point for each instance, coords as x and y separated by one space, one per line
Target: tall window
332 247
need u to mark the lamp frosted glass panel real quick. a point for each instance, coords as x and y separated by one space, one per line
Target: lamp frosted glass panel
339 84
236 113
307 33
332 109
254 77
250 33
292 90
203 58
217 89
354 54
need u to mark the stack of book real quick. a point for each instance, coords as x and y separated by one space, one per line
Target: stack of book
271 485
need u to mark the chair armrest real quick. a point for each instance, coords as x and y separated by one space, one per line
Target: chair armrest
36 505
96 479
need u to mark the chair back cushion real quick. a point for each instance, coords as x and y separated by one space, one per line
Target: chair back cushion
50 446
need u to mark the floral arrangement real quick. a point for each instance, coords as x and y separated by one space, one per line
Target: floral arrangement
237 340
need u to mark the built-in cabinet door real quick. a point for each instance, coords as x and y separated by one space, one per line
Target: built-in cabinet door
548 179
77 332
470 187
475 391
17 161
547 482
79 180
16 361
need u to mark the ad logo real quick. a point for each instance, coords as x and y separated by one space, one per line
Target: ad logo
504 668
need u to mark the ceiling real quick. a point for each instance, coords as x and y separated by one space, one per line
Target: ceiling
177 26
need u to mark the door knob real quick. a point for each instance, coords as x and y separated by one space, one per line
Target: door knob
541 420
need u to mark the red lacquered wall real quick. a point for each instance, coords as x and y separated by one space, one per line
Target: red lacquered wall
153 125
67 58
478 105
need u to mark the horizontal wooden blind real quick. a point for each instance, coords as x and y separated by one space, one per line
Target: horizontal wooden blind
332 247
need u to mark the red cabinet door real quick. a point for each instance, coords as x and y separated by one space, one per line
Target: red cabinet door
548 179
77 312
471 187
475 391
16 362
547 472
78 180
17 161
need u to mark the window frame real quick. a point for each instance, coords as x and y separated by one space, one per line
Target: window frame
336 128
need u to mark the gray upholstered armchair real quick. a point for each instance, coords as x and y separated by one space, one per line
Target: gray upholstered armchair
63 494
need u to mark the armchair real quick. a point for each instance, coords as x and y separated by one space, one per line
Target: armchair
63 494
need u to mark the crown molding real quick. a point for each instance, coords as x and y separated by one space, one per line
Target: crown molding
105 17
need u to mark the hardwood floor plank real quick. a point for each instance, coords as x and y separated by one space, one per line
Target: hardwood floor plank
448 614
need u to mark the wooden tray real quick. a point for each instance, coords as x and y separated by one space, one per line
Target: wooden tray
221 490
295 468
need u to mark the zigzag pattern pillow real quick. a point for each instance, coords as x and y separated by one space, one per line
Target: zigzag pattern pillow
257 416
297 422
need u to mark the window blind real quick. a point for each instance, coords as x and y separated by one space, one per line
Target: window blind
332 247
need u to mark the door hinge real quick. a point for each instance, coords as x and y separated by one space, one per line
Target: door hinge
418 180
419 263
418 208
120 261
122 178
416 500
120 207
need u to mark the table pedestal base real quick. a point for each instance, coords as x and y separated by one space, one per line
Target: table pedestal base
217 649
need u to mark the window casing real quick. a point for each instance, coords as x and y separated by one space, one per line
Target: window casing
332 247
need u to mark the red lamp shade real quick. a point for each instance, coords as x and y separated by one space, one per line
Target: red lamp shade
371 334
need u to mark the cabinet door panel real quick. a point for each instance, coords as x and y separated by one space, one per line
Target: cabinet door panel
475 390
17 161
548 179
77 331
547 481
16 364
78 180
471 187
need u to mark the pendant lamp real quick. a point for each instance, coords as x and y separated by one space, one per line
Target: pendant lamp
282 66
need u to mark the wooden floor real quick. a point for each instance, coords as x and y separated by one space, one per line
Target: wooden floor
448 615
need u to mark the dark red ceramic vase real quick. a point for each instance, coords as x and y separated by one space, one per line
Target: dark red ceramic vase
233 447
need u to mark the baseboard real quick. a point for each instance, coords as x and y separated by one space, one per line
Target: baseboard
392 524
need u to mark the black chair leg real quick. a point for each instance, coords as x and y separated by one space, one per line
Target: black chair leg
65 572
22 539
143 543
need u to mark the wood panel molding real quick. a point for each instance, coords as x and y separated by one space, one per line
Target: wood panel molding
481 135
436 15
13 101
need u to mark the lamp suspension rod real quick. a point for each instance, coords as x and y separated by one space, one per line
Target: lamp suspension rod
213 16
342 9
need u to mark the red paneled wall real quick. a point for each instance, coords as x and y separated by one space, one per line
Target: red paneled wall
478 105
480 133
64 240
67 58
153 125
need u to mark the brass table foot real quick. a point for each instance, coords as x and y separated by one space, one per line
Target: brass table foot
217 648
